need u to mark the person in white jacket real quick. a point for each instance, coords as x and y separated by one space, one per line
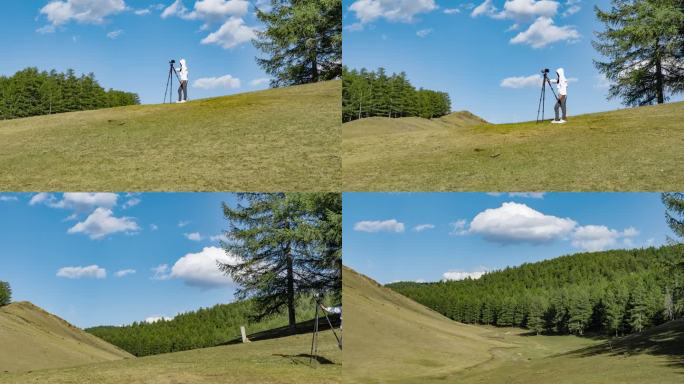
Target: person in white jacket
183 88
561 104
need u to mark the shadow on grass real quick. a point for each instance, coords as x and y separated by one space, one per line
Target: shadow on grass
302 328
304 358
665 340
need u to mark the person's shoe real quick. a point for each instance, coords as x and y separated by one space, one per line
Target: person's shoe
562 121
555 121
183 101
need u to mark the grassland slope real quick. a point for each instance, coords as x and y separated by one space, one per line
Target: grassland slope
275 140
622 150
32 339
390 336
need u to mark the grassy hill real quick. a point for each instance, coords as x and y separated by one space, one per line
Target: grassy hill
274 140
32 339
629 149
278 359
391 339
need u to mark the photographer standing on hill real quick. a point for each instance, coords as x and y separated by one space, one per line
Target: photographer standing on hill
562 96
183 88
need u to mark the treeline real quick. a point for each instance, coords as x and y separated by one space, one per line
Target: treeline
5 293
206 327
374 93
613 292
31 92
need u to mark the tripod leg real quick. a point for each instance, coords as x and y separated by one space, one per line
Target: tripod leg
166 90
339 342
313 337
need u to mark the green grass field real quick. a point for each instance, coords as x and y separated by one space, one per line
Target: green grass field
391 339
278 360
275 140
636 149
31 338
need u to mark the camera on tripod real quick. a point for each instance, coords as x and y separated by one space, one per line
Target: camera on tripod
542 96
172 62
545 71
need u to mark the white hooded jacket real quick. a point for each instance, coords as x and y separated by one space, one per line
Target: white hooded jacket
562 82
183 70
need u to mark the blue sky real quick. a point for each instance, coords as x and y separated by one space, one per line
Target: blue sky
63 252
432 236
128 43
470 48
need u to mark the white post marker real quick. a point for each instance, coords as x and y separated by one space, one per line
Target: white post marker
244 335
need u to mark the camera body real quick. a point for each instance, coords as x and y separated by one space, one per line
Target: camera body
545 71
172 62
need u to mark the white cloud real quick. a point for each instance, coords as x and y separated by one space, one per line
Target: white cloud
183 223
392 10
142 12
529 195
46 29
154 227
115 34
194 236
77 201
518 223
132 202
423 227
517 82
601 82
226 81
571 10
379 226
461 275
543 32
175 9
124 272
8 198
599 237
458 228
260 81
424 32
518 10
219 237
231 34
156 318
161 272
451 11
207 10
91 271
60 12
101 223
201 269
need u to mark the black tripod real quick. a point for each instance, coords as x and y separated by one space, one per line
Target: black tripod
542 96
169 81
314 339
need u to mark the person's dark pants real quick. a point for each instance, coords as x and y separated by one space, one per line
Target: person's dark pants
183 90
561 105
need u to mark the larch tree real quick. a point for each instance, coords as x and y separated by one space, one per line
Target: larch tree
5 293
302 41
287 245
643 44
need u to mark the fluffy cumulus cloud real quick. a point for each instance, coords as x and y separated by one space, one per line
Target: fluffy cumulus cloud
229 13
77 201
461 275
91 271
516 82
518 10
231 34
124 272
599 237
102 223
423 227
226 81
60 12
543 32
201 269
379 226
367 11
518 223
